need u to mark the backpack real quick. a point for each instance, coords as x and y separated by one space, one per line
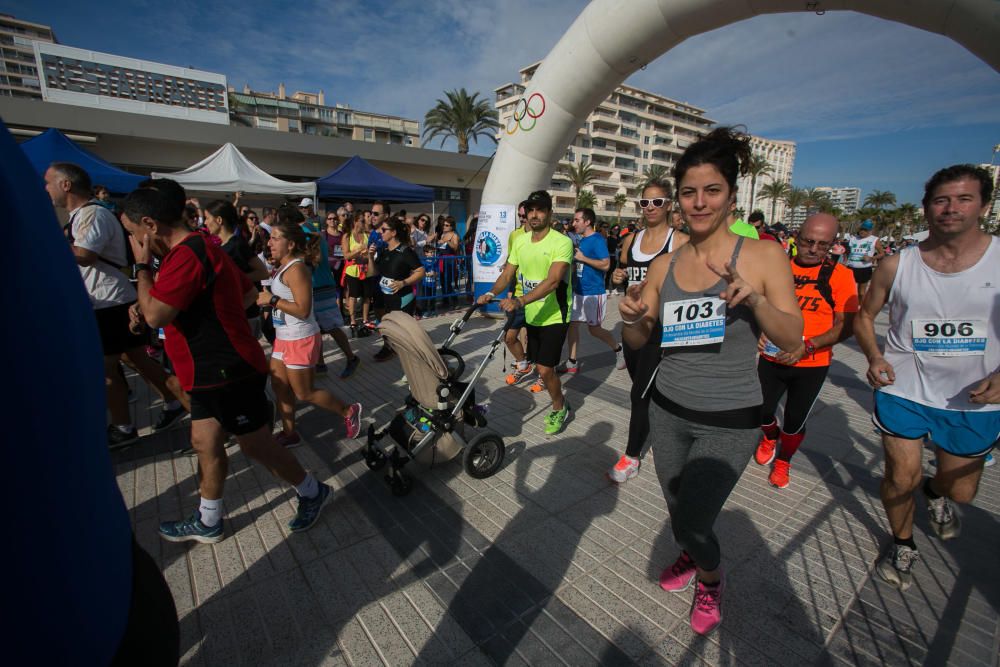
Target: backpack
822 282
129 255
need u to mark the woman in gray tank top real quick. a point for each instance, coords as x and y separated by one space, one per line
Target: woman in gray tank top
707 303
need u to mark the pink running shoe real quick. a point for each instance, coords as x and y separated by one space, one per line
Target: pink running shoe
352 422
706 613
678 576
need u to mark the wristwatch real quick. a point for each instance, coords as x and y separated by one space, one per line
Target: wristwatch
141 266
810 347
274 301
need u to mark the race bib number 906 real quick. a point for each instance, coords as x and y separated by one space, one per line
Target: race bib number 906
949 338
699 321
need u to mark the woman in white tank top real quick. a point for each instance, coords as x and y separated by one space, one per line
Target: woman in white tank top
298 344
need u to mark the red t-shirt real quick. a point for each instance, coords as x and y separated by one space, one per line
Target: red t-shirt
209 343
816 311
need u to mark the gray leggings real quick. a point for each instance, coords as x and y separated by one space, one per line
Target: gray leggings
697 466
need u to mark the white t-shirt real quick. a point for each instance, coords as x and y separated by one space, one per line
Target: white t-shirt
96 229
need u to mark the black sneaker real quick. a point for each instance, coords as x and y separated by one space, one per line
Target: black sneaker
385 354
352 365
118 438
309 509
169 417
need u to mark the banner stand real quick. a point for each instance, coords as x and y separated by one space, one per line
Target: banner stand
489 254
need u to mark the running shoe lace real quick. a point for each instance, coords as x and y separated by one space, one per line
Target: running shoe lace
905 557
681 565
941 509
707 598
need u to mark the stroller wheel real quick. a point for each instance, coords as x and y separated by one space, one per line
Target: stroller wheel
374 459
483 456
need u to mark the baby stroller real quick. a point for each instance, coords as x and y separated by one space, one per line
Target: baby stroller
431 424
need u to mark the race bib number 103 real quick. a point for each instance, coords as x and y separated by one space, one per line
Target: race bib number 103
699 321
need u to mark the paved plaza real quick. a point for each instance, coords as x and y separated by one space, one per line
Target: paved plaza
547 562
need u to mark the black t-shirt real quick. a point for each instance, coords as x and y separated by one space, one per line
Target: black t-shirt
396 264
239 251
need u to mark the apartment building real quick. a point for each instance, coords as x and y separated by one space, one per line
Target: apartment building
847 200
780 155
18 68
308 113
993 217
629 132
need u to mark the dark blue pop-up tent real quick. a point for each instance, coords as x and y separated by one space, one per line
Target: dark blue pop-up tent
358 180
53 146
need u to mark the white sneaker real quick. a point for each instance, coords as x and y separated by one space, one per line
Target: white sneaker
620 357
625 469
567 366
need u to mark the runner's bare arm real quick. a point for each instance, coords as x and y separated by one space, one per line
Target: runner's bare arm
987 391
156 313
640 306
299 281
502 281
880 372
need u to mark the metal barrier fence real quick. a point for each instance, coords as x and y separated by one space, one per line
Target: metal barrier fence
448 280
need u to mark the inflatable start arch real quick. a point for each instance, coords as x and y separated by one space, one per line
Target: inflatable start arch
611 39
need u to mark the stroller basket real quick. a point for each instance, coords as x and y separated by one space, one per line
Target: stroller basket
431 424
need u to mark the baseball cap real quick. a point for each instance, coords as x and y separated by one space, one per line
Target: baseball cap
539 199
305 202
867 224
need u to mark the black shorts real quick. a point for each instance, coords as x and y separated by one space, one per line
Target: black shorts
241 406
545 343
112 323
862 275
358 288
517 319
377 297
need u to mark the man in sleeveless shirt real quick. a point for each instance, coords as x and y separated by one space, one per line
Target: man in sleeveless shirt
863 251
938 376
541 259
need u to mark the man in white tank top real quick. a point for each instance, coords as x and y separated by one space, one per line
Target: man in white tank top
863 251
938 378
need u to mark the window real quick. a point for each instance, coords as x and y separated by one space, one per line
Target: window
369 134
645 140
570 157
645 155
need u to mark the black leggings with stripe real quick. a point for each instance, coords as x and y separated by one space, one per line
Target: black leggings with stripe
802 386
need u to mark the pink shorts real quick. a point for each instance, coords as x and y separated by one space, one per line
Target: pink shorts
301 353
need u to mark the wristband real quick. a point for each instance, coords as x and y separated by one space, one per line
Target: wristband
490 294
274 301
141 266
631 322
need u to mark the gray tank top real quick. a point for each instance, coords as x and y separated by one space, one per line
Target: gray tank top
711 378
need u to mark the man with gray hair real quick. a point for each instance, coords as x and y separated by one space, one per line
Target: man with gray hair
98 243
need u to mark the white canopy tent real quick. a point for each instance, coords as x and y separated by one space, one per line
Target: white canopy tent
919 236
228 170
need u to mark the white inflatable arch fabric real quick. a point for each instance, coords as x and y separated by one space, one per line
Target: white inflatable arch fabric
611 39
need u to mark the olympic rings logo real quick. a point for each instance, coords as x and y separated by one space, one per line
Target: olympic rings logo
530 109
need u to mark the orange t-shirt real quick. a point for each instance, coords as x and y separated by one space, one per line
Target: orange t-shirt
816 311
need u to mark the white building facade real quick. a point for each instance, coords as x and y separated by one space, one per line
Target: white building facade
629 132
781 156
848 200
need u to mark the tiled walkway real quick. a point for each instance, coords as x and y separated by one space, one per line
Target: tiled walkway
547 562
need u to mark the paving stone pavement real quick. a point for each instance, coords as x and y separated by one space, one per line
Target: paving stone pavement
547 562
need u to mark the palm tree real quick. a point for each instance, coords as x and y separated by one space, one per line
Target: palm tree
796 198
653 173
620 200
463 117
815 200
580 176
757 166
878 200
776 190
586 199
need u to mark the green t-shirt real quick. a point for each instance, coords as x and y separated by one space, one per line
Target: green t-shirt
744 229
533 261
514 235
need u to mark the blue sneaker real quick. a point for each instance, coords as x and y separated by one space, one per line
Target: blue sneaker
191 529
309 509
352 365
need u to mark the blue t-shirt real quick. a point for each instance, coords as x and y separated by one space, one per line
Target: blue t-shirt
587 280
430 266
322 275
376 238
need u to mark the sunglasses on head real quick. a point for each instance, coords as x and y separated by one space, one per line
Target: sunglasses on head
657 202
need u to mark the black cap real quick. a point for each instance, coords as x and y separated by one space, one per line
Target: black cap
538 199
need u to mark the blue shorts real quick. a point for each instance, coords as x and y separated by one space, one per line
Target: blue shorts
517 320
970 434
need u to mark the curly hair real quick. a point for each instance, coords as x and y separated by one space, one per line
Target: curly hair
725 148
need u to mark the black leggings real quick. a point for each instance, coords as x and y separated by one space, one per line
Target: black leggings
802 385
641 364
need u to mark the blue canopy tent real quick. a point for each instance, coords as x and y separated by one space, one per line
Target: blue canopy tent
53 146
357 180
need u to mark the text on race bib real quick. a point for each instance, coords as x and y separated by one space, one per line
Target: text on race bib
770 349
699 321
529 285
949 338
278 318
385 284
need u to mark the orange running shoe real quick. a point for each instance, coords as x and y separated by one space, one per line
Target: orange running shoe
779 474
766 450
518 374
537 387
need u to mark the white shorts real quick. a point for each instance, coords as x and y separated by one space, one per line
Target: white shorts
589 308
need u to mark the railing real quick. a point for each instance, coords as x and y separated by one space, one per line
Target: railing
451 284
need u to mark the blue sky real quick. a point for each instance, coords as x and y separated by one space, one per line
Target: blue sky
871 103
